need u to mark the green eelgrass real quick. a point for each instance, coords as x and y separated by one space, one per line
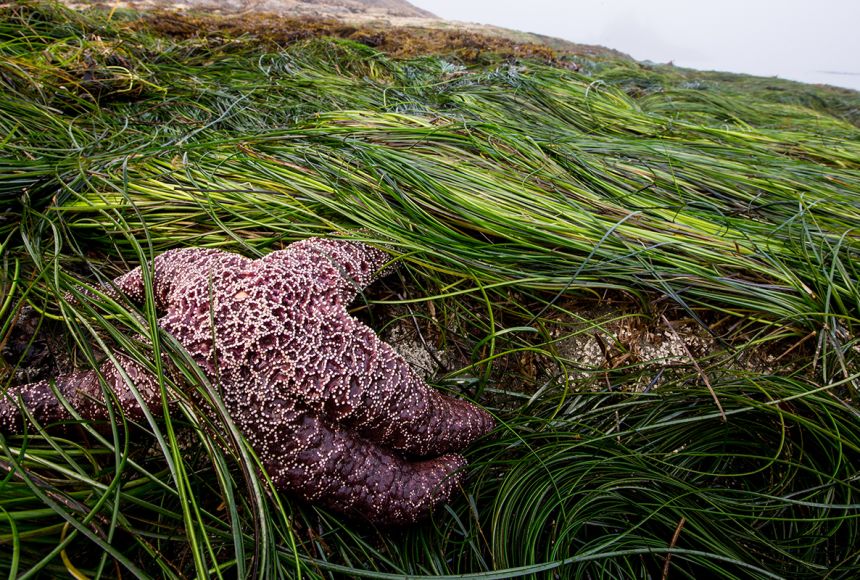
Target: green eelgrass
510 193
492 171
598 483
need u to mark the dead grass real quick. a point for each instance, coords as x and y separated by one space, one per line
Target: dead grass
466 46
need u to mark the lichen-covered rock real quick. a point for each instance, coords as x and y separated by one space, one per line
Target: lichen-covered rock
335 415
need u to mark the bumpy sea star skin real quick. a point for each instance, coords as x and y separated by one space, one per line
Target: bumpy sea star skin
332 411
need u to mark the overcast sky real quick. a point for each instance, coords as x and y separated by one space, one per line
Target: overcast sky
811 41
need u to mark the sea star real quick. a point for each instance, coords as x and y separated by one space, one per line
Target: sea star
335 415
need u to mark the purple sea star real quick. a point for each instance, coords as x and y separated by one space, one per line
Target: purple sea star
334 414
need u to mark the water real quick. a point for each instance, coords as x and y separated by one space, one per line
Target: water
836 78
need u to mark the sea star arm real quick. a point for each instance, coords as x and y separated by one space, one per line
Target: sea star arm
341 266
167 270
83 393
372 390
330 466
82 389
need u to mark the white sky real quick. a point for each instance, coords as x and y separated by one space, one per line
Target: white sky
811 41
